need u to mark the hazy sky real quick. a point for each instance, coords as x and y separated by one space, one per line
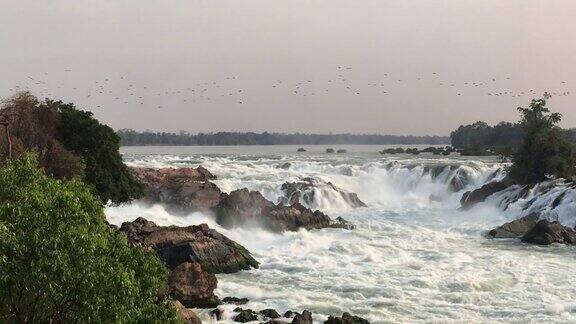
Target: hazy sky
255 65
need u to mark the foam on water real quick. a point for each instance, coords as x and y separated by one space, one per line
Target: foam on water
411 258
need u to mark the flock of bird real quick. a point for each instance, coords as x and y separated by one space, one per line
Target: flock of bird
126 90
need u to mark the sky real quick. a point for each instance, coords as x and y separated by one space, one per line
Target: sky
316 66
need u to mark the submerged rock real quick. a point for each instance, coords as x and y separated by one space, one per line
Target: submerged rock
471 198
175 245
306 192
460 180
244 208
546 232
346 319
516 228
270 313
189 284
235 300
182 189
217 313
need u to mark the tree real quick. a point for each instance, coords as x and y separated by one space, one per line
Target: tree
60 262
98 146
546 150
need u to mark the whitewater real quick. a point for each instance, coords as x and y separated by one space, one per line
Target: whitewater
413 257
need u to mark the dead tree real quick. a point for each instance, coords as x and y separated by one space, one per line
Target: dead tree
5 121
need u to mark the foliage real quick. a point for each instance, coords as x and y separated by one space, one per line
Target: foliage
98 146
130 138
480 134
59 260
33 126
546 150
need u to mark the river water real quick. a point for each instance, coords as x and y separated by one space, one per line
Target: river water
411 258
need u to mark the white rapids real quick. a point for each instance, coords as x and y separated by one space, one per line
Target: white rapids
413 257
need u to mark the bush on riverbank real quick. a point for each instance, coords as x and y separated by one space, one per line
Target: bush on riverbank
59 260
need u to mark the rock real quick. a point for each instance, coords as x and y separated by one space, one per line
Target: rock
187 315
516 228
304 318
341 151
198 243
217 314
244 208
181 190
245 315
329 150
235 300
346 319
270 313
192 286
546 232
289 314
340 222
284 166
460 180
471 198
306 190
301 149
275 321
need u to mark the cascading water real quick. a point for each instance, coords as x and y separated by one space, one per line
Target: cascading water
413 256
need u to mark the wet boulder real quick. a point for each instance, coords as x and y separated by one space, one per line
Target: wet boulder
180 190
187 315
471 198
546 232
189 284
217 313
307 190
346 319
245 315
460 180
516 228
245 208
270 313
304 318
198 243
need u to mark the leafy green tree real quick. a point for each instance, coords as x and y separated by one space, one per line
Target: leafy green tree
61 263
546 150
98 146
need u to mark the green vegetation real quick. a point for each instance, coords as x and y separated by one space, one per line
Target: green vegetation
131 138
70 143
60 262
479 137
545 150
98 146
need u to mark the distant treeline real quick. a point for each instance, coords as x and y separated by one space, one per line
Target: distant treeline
500 136
133 138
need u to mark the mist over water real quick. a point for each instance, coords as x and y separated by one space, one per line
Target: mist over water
413 256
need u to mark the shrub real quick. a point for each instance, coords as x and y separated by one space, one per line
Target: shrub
60 261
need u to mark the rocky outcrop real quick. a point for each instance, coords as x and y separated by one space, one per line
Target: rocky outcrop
187 315
245 315
181 190
189 284
346 319
243 208
546 232
471 198
176 245
305 192
516 228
